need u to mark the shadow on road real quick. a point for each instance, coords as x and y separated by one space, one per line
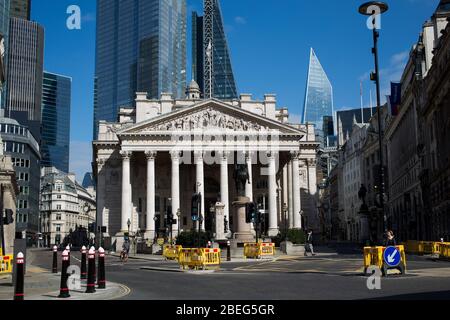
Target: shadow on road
435 295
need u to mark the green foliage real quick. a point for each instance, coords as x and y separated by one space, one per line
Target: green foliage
296 236
189 239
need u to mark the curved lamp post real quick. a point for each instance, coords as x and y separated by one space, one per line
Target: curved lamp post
375 8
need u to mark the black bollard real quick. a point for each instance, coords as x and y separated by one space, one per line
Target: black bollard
95 269
64 289
55 260
228 251
18 289
68 251
101 283
91 270
83 263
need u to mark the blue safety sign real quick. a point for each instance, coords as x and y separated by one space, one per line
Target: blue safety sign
392 257
195 218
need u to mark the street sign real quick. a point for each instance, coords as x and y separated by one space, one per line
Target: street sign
392 257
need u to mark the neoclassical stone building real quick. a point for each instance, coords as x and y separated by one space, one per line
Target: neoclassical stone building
163 151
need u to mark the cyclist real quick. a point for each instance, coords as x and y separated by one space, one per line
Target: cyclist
125 250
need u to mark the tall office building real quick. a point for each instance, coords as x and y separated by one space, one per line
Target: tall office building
211 61
21 9
319 95
4 28
56 104
141 47
24 80
346 118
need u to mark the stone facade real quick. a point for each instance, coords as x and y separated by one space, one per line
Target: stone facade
65 205
9 191
163 151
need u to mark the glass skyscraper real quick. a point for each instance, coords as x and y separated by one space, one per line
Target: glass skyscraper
208 36
319 95
21 9
141 47
4 27
56 105
25 65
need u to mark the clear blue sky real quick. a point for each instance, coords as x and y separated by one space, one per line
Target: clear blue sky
269 41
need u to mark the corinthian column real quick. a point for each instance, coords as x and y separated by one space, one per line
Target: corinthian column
175 187
273 219
224 195
126 191
151 195
200 178
296 190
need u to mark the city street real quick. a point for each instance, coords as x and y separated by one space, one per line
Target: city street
290 278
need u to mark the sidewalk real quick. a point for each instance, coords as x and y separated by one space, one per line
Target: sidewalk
40 284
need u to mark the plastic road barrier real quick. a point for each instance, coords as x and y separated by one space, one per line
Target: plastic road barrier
196 259
171 252
424 247
412 246
251 250
444 251
6 264
258 250
375 256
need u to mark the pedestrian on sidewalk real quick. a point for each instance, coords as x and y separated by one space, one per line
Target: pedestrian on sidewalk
309 244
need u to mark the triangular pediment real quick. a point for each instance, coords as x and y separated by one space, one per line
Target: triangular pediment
210 114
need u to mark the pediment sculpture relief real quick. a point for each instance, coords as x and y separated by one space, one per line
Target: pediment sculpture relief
207 119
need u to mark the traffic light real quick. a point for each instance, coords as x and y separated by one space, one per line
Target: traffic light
251 212
9 218
196 205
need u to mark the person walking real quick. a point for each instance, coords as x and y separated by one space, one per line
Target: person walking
390 239
309 244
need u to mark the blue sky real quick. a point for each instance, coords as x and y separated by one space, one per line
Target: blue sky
270 42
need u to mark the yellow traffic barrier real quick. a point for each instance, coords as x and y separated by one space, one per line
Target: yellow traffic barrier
444 251
266 249
6 264
171 252
373 256
424 247
430 247
258 250
251 250
211 258
195 259
412 246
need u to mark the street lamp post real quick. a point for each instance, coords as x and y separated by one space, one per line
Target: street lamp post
373 9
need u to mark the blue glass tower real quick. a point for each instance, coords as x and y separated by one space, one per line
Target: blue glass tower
56 104
319 95
141 47
211 64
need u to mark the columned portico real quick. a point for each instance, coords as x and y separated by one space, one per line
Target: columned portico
126 191
175 187
151 195
272 177
165 172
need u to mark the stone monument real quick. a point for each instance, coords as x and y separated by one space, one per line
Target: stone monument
242 229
